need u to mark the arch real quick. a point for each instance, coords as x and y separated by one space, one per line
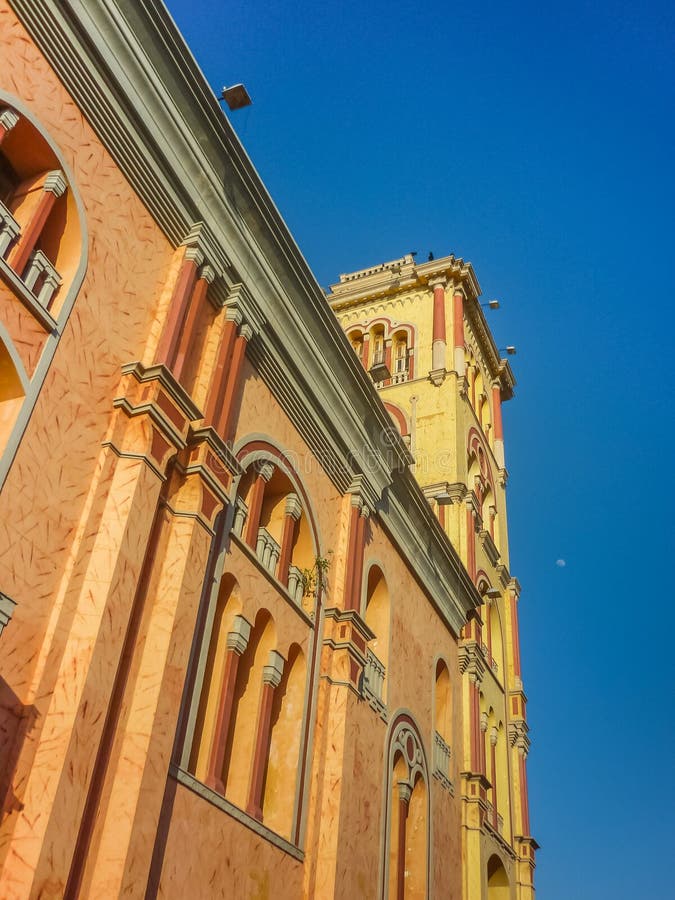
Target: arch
260 447
245 704
497 880
443 700
406 772
399 418
228 605
70 258
281 773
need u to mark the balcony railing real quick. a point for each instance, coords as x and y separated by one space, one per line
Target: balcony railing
267 550
41 278
240 514
373 681
296 584
497 821
441 761
9 229
40 275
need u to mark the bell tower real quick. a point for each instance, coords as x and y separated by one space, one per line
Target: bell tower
420 331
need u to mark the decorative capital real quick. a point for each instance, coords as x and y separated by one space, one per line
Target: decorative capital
293 507
494 734
483 721
440 281
55 183
404 791
437 376
8 119
265 469
237 639
194 255
274 669
246 331
208 273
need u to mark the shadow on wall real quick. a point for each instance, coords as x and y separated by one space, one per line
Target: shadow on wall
16 723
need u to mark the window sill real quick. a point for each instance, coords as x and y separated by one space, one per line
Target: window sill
193 784
28 299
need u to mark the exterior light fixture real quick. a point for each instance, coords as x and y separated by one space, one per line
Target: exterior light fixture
511 350
493 593
491 304
236 96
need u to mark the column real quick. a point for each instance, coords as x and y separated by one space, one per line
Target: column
493 770
458 331
292 513
8 119
206 277
237 642
404 792
255 505
182 293
223 422
54 187
222 366
470 540
497 423
524 803
483 740
387 357
355 551
474 704
272 673
438 345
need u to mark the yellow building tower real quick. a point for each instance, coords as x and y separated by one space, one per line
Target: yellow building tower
420 331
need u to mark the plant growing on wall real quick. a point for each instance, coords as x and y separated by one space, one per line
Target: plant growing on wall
315 579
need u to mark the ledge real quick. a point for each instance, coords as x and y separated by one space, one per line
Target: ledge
197 787
27 297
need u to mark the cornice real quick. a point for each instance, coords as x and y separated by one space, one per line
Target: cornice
400 275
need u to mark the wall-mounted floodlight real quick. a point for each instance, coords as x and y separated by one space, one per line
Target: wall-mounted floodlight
491 304
493 593
511 350
236 96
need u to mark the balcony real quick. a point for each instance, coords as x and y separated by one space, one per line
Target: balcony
379 371
441 762
40 276
373 682
267 550
497 822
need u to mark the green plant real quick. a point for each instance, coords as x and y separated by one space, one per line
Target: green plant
314 579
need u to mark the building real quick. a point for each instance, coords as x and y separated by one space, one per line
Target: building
255 641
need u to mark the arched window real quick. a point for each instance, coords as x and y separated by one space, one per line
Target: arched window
497 880
407 845
401 356
270 518
442 724
42 263
356 339
376 613
282 763
39 232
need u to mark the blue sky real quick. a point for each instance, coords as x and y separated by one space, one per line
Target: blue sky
538 142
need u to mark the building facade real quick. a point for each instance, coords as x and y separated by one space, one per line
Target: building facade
258 635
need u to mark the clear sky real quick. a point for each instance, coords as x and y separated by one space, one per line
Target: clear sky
537 141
